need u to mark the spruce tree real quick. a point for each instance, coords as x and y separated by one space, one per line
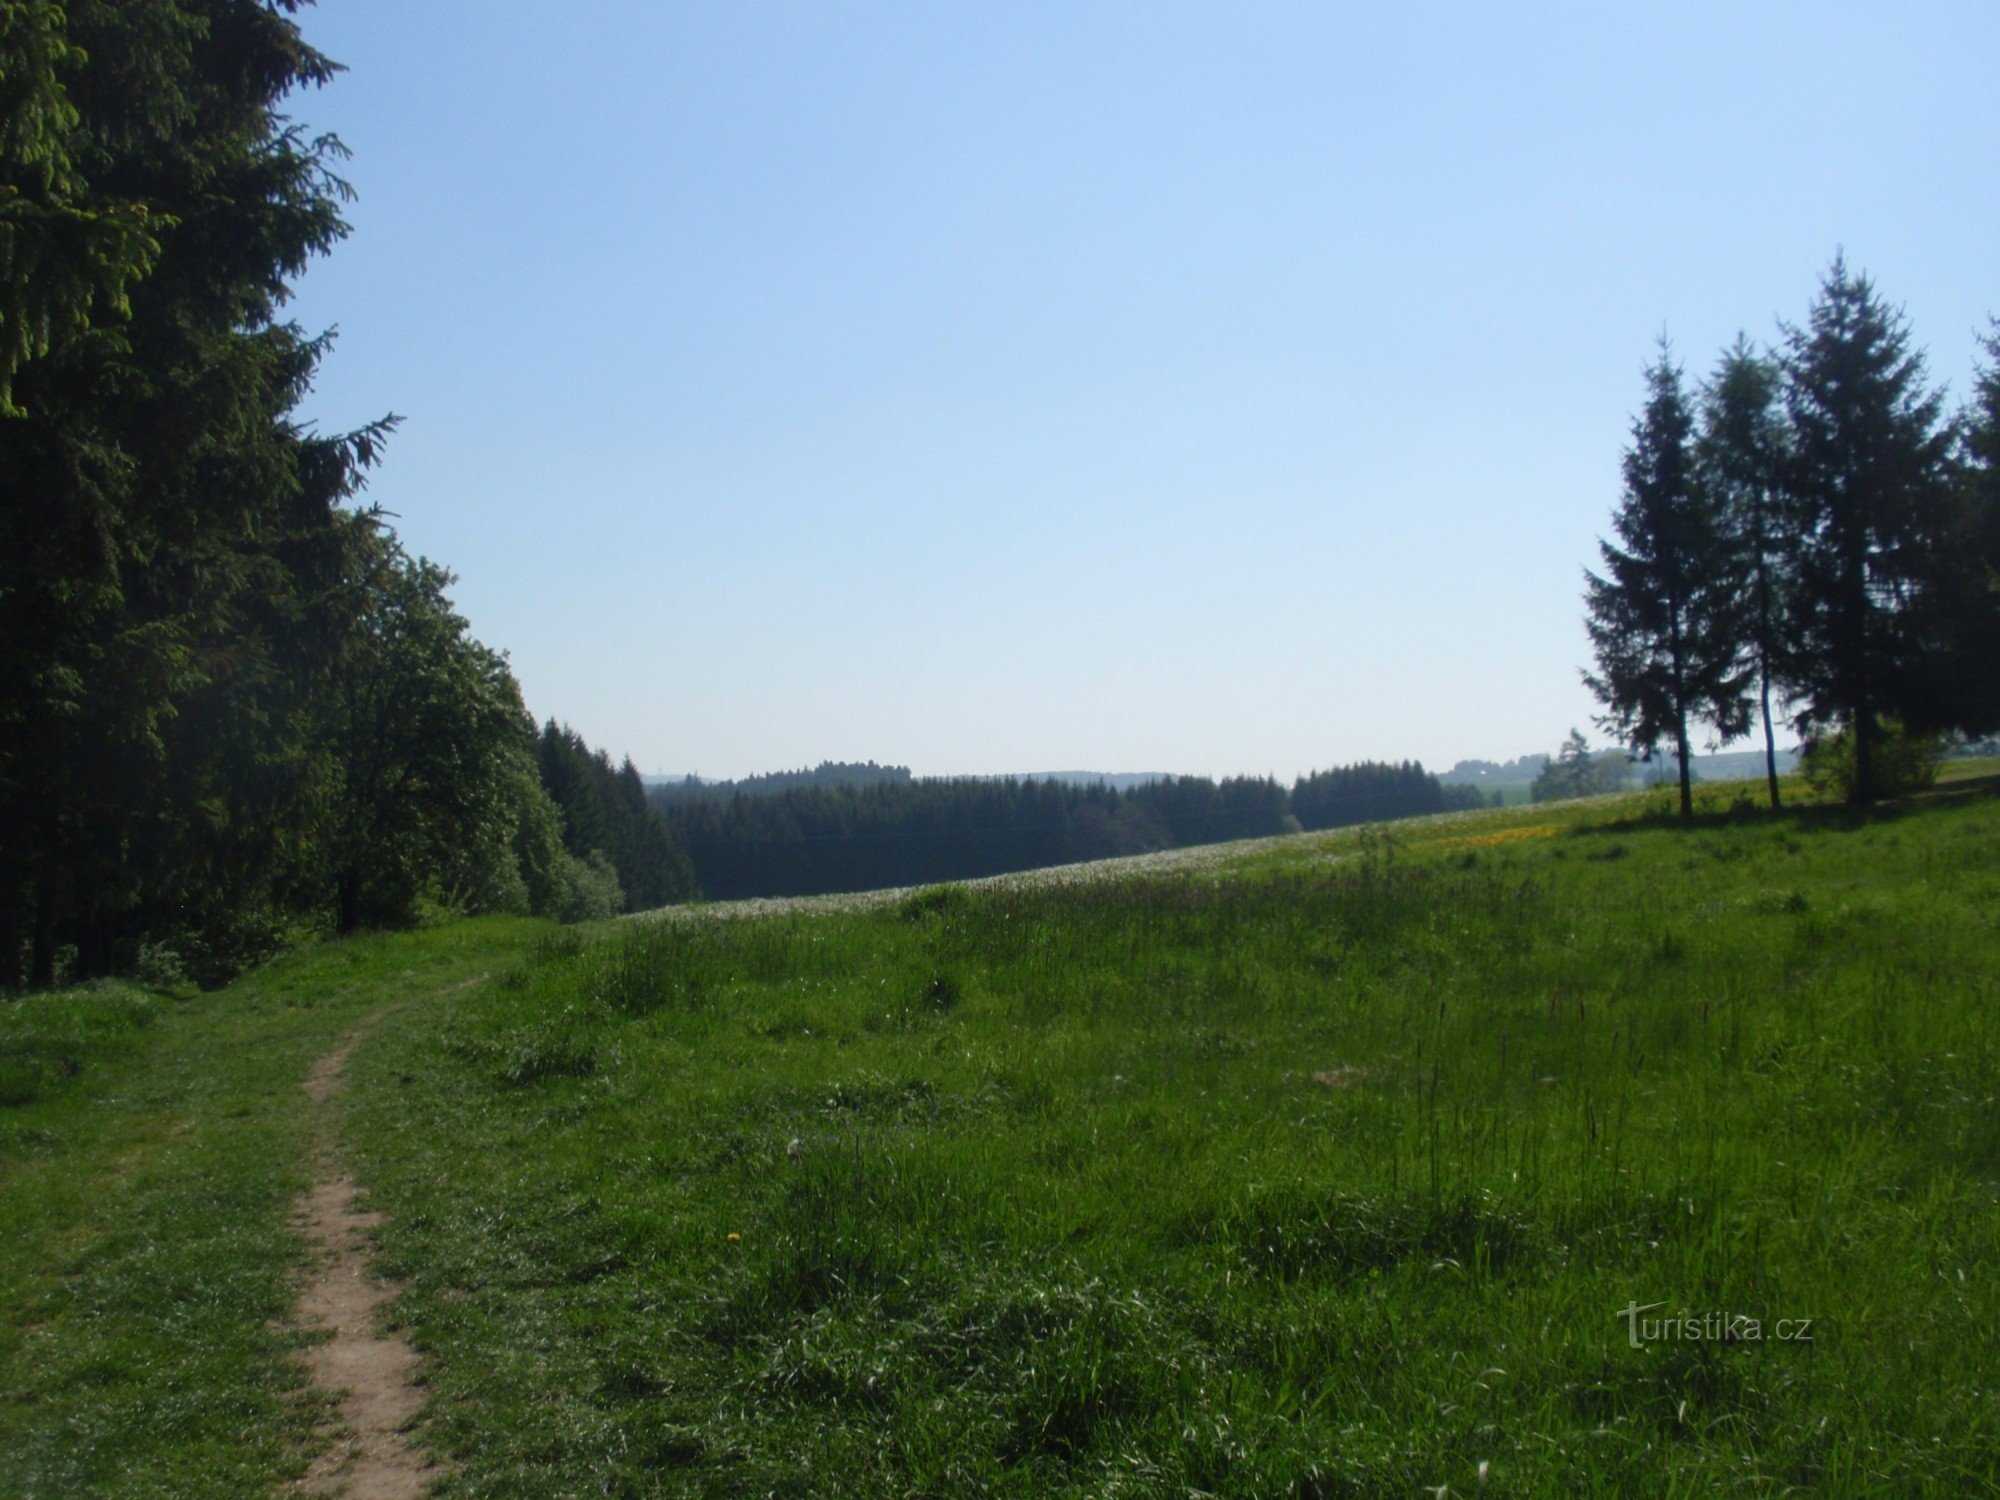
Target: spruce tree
173 548
1865 490
1740 453
1663 619
1961 628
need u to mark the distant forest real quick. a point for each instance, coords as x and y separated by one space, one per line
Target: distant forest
833 835
828 773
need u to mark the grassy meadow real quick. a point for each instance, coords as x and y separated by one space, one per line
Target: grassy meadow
1425 1156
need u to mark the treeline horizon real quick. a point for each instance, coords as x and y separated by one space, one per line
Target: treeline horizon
831 836
826 773
234 707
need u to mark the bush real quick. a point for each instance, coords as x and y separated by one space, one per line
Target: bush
1904 762
591 892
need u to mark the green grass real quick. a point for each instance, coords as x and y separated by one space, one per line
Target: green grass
1325 1174
151 1147
1329 1177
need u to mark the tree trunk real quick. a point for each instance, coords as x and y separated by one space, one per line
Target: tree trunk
13 929
347 920
1770 735
1687 774
1681 720
1764 633
42 954
1864 757
93 946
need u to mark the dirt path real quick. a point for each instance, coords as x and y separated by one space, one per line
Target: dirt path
373 1456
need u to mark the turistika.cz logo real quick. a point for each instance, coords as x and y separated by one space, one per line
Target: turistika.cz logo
1712 1327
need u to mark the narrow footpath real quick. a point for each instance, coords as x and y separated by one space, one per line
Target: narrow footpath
373 1372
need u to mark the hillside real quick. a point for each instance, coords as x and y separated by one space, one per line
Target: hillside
1336 1164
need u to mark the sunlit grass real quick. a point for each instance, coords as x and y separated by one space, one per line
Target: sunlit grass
1331 1175
1327 1168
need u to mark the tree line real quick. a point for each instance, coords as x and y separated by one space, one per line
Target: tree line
1809 534
826 773
231 703
814 839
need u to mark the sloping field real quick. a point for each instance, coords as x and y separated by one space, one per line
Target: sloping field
1562 1151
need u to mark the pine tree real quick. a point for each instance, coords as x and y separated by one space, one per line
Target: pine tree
1663 622
66 252
1960 625
1865 486
1740 453
173 549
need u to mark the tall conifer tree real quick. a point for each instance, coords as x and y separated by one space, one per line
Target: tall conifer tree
1663 619
173 548
1961 630
1865 484
1741 455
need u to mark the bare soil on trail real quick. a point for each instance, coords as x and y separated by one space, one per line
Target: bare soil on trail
372 1455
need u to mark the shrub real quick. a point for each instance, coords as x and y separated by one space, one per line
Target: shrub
1904 762
592 891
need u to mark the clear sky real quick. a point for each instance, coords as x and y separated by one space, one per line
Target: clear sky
1213 388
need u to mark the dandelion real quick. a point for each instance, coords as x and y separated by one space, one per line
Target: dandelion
736 1239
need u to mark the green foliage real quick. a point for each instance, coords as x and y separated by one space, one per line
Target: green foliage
887 831
229 702
1664 620
1741 454
1959 618
1367 793
167 599
1903 762
425 735
590 891
1865 486
1828 534
1578 771
67 254
605 814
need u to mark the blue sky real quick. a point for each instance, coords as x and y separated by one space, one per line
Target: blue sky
1219 388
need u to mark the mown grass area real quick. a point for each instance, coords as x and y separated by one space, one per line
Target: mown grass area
1330 1174
151 1147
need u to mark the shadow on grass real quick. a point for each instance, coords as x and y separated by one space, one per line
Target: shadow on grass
1806 817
